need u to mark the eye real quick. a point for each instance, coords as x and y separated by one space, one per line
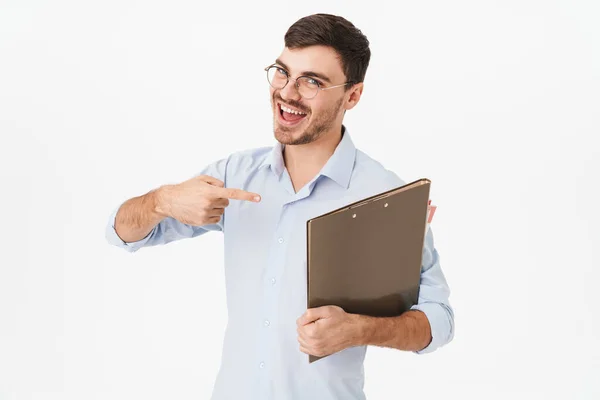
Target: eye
281 71
313 82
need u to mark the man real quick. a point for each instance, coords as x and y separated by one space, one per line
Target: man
260 199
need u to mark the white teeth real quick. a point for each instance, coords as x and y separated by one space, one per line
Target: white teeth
289 110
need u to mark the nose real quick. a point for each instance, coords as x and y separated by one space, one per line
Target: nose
290 91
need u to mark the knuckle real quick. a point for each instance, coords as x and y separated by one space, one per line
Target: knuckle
202 214
232 193
204 202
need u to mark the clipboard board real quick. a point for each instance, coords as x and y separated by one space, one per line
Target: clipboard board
366 257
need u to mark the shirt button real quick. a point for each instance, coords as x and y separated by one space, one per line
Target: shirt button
273 280
267 323
280 240
261 365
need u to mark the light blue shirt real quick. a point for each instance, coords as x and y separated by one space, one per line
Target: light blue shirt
265 273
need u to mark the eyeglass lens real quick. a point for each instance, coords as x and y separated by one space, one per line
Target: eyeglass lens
278 78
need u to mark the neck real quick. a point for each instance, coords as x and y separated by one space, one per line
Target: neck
308 159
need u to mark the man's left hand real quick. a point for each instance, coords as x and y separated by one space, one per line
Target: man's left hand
327 330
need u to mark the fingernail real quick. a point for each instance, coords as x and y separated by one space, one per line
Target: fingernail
257 198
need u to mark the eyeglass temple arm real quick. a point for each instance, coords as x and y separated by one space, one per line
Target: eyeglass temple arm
331 87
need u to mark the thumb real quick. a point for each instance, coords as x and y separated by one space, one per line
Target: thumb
212 180
311 315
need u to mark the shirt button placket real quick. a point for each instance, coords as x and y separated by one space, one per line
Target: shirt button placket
270 298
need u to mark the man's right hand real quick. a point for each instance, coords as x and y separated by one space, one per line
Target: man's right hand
198 201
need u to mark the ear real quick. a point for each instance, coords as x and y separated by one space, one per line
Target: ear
354 95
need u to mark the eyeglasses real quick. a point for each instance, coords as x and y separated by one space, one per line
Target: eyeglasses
307 86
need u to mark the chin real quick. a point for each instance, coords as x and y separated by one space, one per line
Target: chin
283 136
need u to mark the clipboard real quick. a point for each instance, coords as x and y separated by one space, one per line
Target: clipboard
366 257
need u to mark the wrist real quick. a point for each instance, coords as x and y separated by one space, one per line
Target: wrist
159 201
378 331
362 329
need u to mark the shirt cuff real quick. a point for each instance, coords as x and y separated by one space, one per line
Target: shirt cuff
442 330
114 239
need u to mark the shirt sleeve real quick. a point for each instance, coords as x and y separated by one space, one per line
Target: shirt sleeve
169 229
434 298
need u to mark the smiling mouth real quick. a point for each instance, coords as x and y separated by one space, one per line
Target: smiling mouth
289 116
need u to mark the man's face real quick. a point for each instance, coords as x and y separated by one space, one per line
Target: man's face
320 113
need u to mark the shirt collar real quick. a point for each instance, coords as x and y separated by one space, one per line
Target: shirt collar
338 167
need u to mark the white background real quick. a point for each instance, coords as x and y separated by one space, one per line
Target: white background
497 102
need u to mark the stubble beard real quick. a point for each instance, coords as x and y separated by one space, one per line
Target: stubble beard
315 129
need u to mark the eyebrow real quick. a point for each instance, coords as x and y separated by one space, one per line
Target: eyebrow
305 73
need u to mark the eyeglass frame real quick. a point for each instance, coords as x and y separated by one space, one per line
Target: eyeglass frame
287 74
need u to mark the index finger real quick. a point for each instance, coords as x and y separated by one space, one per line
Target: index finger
238 194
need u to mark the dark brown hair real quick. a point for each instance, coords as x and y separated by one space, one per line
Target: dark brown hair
331 30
